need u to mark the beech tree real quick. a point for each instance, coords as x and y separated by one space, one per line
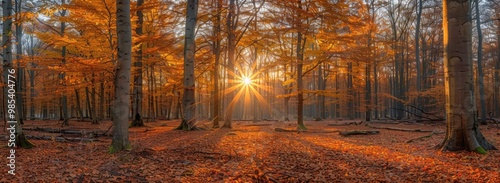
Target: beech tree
137 105
8 69
122 77
188 99
462 131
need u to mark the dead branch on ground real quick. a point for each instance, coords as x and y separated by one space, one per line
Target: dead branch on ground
423 137
359 132
346 124
398 129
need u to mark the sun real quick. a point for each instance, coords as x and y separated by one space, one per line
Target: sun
246 81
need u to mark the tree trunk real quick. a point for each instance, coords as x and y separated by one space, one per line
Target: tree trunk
78 105
64 102
462 131
496 93
188 100
122 77
417 56
480 65
300 62
93 101
217 30
14 99
350 92
231 44
102 113
137 105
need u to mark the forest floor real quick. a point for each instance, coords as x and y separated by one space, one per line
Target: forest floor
250 152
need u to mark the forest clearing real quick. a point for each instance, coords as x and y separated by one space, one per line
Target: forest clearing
253 152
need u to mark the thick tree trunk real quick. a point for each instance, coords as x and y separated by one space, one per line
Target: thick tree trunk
14 120
122 77
137 105
462 131
189 101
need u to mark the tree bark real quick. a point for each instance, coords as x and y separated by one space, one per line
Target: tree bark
300 62
78 105
122 77
137 105
14 97
480 65
64 102
217 30
462 131
189 101
231 44
417 54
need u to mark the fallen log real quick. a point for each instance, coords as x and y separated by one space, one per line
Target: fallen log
358 132
322 131
346 124
423 137
284 130
62 139
398 129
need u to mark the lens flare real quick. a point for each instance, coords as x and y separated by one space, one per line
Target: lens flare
247 81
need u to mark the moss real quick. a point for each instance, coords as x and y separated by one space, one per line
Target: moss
183 126
23 142
112 150
480 150
301 127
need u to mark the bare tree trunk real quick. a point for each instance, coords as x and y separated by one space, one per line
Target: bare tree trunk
101 100
217 32
462 131
188 100
480 65
93 101
300 61
122 77
137 105
64 103
496 93
78 105
14 97
417 56
350 92
32 81
230 65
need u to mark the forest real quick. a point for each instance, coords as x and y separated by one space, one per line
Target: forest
250 91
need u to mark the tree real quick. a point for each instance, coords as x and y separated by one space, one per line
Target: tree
122 77
231 46
479 64
188 99
64 102
137 114
14 98
462 131
217 50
